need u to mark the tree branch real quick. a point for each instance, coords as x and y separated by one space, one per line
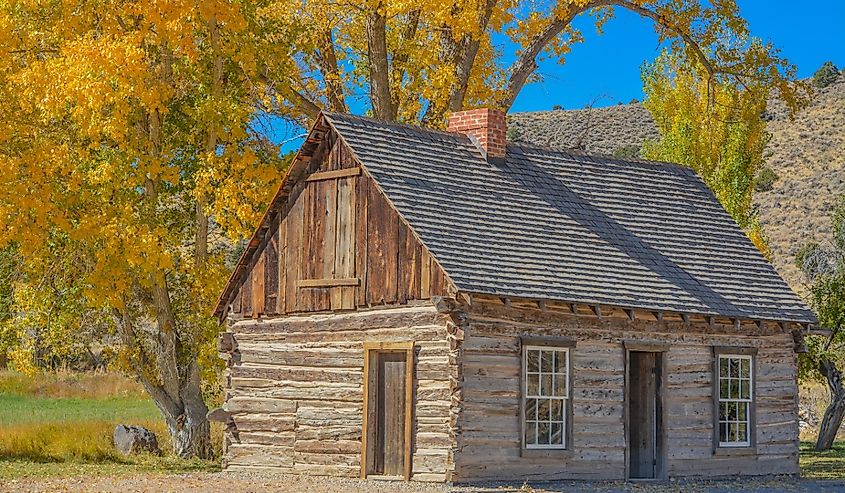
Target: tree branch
327 60
526 64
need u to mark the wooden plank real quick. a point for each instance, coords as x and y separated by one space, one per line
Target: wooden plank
425 274
258 279
367 414
323 194
329 189
391 416
344 297
382 229
271 273
282 263
293 253
246 298
327 282
334 174
236 303
409 265
438 280
361 238
409 411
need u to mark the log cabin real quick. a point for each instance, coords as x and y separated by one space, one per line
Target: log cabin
445 306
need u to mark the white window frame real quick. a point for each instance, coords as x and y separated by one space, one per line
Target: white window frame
748 401
565 399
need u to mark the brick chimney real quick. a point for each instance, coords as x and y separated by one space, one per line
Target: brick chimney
488 127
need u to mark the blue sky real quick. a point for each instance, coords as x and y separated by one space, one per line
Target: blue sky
605 69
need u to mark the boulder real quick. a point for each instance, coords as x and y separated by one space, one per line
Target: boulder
133 440
218 415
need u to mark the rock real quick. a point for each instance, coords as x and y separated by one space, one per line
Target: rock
218 415
133 440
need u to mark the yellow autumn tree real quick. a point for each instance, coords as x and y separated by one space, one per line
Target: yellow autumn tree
417 61
717 129
123 126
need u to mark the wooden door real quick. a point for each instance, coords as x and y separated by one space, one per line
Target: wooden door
644 415
388 414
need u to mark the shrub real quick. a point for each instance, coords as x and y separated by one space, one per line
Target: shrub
627 152
825 75
766 179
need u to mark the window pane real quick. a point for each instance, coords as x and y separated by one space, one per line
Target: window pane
742 412
530 432
533 384
731 432
745 389
723 432
533 360
734 367
723 411
560 385
560 361
543 409
557 433
734 390
546 361
746 368
741 433
723 367
723 388
543 433
531 409
557 410
545 384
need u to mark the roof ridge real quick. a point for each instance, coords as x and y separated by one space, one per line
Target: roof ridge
399 125
510 143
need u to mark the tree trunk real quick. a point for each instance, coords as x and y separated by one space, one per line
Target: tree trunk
835 411
380 97
189 429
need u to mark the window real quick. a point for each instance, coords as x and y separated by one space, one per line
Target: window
735 387
545 396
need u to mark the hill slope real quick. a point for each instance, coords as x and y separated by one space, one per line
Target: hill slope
807 153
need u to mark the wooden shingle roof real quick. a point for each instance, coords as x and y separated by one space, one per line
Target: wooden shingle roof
570 227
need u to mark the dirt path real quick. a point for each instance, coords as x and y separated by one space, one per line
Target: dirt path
248 483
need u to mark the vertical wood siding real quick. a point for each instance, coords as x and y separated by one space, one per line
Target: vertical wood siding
338 228
296 391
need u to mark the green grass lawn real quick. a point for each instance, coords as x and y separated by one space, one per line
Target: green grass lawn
62 425
823 465
20 409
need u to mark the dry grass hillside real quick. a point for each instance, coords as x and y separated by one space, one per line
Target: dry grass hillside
807 154
600 130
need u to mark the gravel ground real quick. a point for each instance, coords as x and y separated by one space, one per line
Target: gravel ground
242 482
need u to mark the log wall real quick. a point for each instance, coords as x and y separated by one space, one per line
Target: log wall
337 244
295 391
488 428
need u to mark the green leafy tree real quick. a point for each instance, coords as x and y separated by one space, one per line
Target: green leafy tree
825 75
824 267
715 129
